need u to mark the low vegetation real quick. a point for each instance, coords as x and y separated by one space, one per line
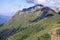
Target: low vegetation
58 32
30 25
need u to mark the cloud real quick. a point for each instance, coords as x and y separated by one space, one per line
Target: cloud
46 2
36 1
41 1
54 1
30 1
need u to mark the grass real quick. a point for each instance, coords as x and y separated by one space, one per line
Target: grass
58 32
19 27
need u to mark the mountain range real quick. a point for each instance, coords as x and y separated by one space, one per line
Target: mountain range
33 23
3 19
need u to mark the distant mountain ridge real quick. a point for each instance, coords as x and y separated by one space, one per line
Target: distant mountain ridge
3 19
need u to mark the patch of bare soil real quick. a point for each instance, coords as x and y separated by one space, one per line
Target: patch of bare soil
53 34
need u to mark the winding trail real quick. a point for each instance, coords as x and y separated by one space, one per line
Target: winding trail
53 34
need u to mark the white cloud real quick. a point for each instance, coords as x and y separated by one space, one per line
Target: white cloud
52 2
55 3
48 1
41 1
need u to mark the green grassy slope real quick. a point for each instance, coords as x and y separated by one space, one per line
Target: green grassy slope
19 26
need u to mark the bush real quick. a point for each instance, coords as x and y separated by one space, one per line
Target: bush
58 32
45 37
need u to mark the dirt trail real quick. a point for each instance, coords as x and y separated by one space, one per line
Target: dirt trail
53 34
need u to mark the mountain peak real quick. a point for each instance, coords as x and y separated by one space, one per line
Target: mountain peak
40 5
28 9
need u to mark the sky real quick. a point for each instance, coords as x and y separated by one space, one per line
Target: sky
9 7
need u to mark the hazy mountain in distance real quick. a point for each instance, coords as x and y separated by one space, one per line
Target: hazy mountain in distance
3 19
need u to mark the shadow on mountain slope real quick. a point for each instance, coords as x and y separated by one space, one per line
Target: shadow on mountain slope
45 11
59 12
8 32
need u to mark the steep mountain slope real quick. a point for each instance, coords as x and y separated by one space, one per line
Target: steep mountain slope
30 24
